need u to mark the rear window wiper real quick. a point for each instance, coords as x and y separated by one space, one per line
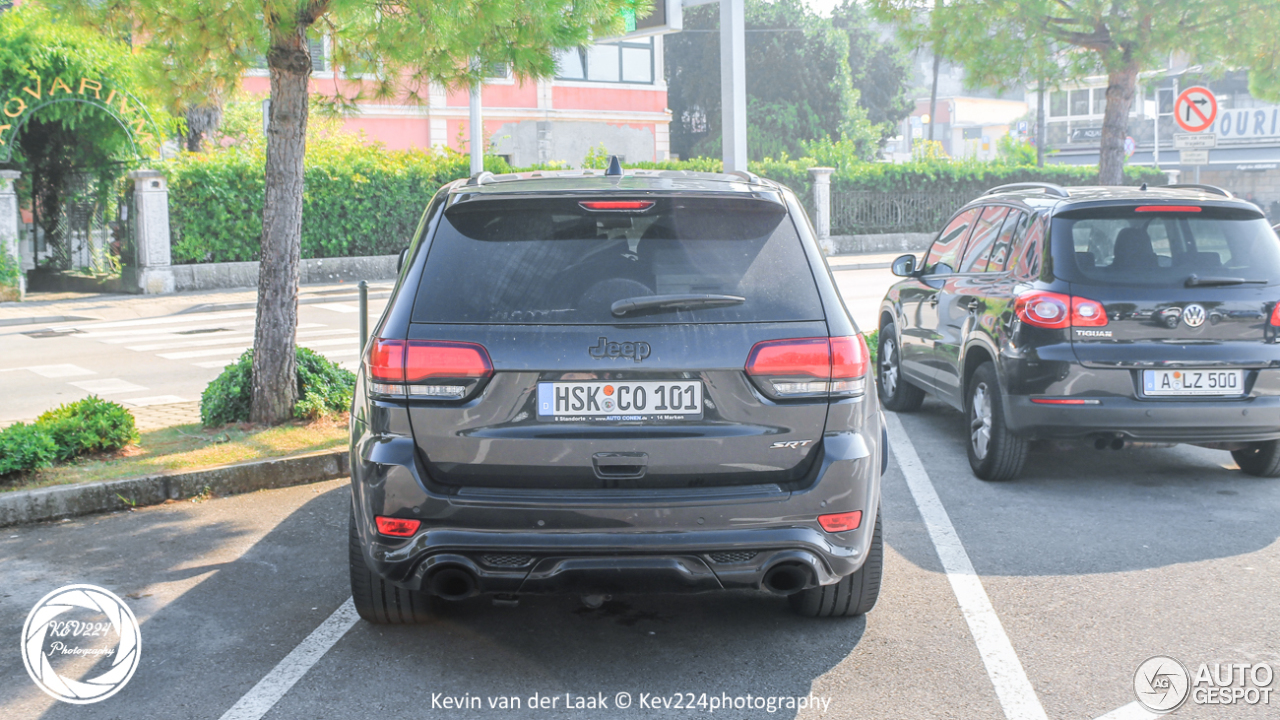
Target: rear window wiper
1197 281
644 303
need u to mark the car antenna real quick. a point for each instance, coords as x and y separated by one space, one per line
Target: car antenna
1143 187
615 167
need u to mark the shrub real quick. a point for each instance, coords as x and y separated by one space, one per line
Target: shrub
89 425
26 447
323 388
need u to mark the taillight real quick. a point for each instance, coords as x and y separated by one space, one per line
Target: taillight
1275 315
841 522
809 367
429 369
1056 311
397 527
1087 313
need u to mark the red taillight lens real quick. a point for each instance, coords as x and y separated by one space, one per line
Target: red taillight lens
1275 315
433 369
782 368
791 358
1166 208
397 527
429 359
841 522
625 205
1057 311
1087 313
385 360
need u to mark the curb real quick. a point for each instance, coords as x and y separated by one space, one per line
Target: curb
862 266
61 501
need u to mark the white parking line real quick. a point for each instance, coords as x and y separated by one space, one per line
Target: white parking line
1013 689
259 700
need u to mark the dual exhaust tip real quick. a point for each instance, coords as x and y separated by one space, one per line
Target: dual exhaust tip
457 583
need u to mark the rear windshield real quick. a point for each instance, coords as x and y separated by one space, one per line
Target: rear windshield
551 262
1124 246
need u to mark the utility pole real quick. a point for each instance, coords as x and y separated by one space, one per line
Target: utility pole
733 84
477 130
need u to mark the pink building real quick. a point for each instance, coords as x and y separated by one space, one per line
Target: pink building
610 93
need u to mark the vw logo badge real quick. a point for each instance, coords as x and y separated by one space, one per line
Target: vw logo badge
1193 315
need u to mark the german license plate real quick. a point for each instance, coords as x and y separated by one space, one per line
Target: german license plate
649 400
1193 382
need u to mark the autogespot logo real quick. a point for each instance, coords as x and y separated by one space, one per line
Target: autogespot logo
76 631
1161 684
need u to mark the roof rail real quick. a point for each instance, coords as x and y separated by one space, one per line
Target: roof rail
1049 188
748 176
1207 188
481 178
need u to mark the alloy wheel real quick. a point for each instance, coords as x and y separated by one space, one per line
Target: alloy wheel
980 420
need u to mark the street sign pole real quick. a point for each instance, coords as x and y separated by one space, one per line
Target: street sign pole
477 131
733 84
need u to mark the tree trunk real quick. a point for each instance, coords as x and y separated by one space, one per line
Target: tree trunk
201 121
275 381
933 94
1122 82
1040 125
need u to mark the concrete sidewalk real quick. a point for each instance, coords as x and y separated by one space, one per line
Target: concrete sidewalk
62 307
865 261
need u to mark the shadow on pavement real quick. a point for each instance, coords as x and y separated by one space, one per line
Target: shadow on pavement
1092 511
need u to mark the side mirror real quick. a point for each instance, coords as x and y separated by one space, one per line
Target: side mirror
400 260
904 266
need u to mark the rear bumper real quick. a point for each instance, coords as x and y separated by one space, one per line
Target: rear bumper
677 540
1196 421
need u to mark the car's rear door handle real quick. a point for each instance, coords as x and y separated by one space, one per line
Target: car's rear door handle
620 464
933 300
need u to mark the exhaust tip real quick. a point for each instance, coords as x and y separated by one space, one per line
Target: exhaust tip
787 578
453 583
1117 444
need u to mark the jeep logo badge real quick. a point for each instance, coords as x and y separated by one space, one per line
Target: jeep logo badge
1193 315
637 351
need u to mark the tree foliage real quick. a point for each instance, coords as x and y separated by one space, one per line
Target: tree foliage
879 66
199 51
1003 40
799 87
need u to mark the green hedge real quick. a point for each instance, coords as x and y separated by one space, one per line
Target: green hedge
324 388
88 425
366 200
358 200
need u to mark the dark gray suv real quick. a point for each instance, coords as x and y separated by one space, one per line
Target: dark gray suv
617 382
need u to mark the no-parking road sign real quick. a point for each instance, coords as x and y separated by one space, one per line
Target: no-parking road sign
1195 109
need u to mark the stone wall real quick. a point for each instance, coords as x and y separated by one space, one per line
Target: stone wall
885 243
1263 185
217 276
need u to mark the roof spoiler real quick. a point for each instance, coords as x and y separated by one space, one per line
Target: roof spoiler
1049 188
1207 188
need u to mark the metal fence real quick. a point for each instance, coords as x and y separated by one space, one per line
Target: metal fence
865 213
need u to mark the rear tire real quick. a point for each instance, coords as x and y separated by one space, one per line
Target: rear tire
1260 459
995 453
376 600
896 393
854 595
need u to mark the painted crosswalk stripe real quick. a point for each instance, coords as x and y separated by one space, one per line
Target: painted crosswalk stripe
166 320
154 400
337 307
234 338
108 386
1013 688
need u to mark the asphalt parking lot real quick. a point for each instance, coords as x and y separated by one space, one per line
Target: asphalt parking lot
1093 562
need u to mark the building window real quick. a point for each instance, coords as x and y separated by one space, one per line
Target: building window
1079 102
1058 104
1099 101
629 61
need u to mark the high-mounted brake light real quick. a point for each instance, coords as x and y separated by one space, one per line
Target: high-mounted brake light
397 527
1167 208
810 367
430 369
624 205
841 522
1057 311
